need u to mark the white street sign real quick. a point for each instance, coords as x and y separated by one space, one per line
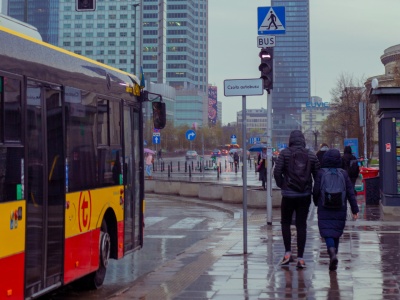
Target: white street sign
266 41
243 87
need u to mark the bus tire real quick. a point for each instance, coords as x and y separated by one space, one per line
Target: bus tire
95 280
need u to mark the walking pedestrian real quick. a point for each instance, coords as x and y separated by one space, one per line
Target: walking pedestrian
230 160
261 168
322 150
149 164
293 173
350 164
331 220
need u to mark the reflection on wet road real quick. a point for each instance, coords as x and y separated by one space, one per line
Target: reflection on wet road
171 227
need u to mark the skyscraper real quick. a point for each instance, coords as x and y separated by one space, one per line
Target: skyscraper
175 43
43 14
291 69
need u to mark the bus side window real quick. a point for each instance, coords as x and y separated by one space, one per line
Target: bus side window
10 174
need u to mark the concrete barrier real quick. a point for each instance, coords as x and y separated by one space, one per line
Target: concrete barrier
232 194
208 191
167 187
189 189
256 198
149 186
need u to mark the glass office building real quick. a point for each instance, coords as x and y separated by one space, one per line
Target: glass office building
175 43
291 70
43 14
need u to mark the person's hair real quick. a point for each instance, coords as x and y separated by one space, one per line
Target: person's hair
323 145
347 149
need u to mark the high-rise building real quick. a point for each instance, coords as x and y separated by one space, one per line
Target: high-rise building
43 14
175 51
291 69
175 43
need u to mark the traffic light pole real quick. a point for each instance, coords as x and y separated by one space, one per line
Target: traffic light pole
269 158
244 161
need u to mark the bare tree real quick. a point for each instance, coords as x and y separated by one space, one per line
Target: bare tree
344 121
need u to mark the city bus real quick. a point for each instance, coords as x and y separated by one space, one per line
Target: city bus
71 167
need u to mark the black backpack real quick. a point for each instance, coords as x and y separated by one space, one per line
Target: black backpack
299 169
333 189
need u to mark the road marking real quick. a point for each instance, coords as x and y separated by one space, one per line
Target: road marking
165 236
148 221
187 223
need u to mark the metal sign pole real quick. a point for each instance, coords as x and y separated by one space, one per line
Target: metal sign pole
269 159
244 160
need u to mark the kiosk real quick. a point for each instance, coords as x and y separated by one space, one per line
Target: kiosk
388 110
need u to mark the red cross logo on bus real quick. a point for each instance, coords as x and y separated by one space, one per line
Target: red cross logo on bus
84 211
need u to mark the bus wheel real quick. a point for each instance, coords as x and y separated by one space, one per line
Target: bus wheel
96 279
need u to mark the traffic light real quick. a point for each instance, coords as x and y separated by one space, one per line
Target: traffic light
266 67
85 5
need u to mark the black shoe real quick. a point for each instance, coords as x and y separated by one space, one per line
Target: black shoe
333 259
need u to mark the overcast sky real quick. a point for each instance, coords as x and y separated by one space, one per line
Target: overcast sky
347 36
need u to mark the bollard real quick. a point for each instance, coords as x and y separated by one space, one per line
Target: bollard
179 166
169 173
171 166
190 172
217 172
192 165
185 166
220 167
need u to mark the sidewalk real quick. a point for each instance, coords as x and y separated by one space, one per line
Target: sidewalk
216 268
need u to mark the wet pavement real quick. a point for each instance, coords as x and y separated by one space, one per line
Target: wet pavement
217 268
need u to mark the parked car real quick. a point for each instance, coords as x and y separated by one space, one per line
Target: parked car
224 152
216 153
191 154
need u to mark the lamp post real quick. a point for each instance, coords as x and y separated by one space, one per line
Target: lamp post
296 121
134 42
316 133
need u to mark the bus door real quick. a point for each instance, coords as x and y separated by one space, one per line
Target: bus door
132 170
45 192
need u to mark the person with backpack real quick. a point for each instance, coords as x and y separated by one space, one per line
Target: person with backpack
294 170
332 190
350 164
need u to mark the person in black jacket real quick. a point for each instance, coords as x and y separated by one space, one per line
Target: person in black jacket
262 170
292 200
346 159
331 222
322 150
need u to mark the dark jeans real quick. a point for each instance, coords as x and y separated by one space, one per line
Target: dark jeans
332 242
301 206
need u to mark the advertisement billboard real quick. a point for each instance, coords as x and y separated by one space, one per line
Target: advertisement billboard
212 105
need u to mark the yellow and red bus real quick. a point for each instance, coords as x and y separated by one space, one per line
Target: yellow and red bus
71 167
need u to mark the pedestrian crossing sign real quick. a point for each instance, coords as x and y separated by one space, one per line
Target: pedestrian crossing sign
271 20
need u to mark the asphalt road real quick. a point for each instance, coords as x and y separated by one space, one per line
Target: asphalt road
172 226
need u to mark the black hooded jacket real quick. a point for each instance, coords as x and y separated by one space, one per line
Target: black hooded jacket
296 140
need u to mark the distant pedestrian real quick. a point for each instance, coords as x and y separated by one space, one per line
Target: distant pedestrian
332 219
294 170
149 164
230 160
261 168
350 164
236 160
322 150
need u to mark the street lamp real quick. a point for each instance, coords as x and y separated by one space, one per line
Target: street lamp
134 42
316 133
292 115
